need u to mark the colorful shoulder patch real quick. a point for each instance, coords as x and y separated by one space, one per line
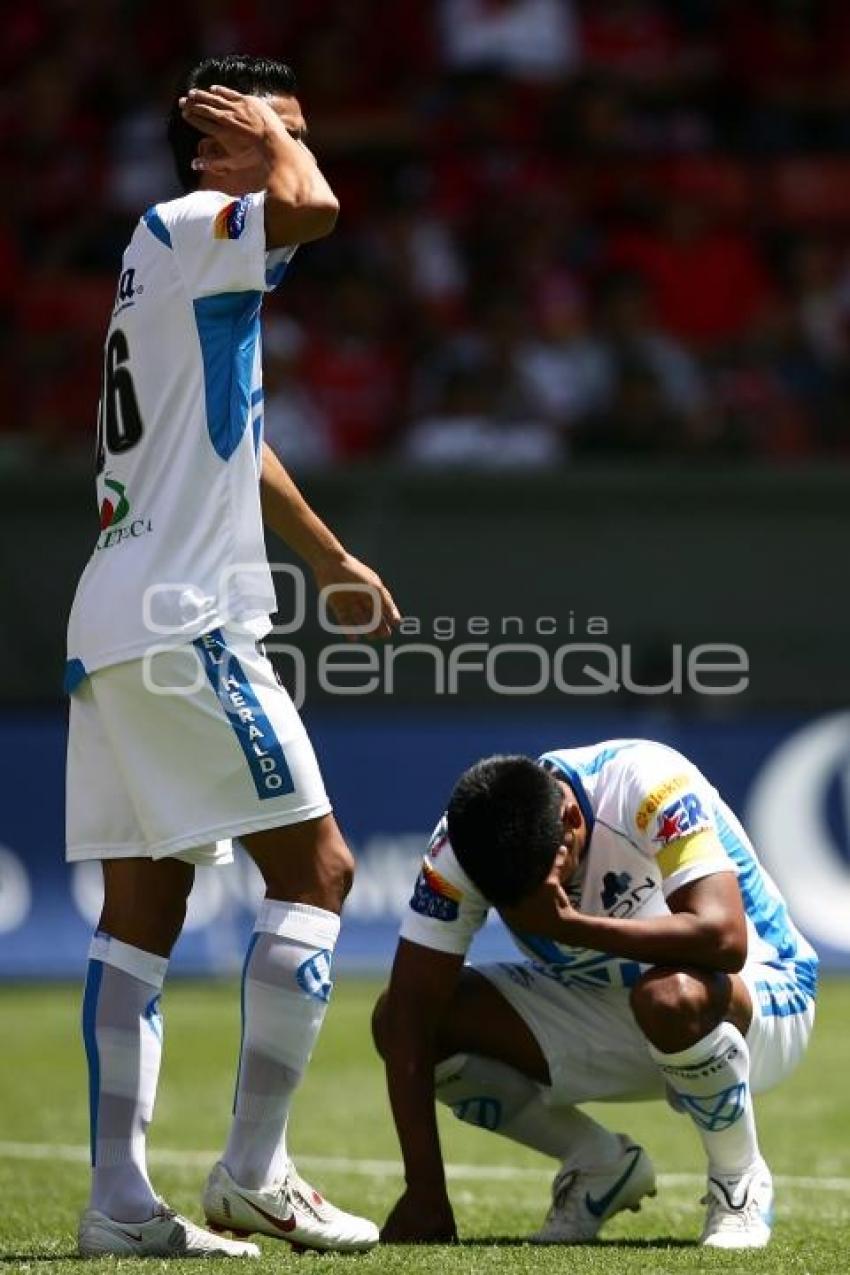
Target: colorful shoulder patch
653 800
679 818
230 221
434 896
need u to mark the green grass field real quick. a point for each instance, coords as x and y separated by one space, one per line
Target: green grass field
344 1142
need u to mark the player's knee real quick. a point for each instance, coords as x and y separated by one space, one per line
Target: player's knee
336 872
379 1024
669 1003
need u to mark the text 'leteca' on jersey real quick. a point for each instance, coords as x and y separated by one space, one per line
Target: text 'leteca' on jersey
181 548
654 824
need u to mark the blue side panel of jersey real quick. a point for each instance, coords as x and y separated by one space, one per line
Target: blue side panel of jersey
157 227
257 422
75 673
229 329
768 915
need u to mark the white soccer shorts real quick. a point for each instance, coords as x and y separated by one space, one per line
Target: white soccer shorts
177 754
596 1052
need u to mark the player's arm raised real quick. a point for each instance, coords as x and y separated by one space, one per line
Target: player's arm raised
360 600
421 985
250 135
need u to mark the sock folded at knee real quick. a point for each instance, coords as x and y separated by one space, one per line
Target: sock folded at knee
711 1083
122 1032
286 986
495 1096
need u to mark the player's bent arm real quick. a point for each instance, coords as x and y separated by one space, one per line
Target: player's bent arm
366 603
300 205
421 985
707 926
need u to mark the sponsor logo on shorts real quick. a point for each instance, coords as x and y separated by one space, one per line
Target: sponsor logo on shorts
434 897
683 816
254 731
651 804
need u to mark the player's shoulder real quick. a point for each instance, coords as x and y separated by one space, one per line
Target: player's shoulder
225 213
442 885
597 766
662 788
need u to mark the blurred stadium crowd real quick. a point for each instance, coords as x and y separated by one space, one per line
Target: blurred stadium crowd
569 228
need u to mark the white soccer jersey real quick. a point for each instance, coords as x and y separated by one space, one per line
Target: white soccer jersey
181 548
655 823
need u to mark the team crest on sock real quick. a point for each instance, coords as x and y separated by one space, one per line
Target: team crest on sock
314 976
716 1111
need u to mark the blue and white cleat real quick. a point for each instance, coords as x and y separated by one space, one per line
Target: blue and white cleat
166 1234
585 1198
740 1210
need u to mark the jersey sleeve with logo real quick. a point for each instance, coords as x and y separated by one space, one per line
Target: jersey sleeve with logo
445 910
219 243
669 810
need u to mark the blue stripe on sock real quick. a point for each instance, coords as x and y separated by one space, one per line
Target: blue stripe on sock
94 978
245 964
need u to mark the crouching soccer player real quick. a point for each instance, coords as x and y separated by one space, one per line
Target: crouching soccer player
180 736
661 963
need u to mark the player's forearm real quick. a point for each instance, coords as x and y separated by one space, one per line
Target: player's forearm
681 939
289 516
300 204
410 1062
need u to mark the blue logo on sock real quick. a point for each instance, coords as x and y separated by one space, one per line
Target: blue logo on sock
314 976
719 1111
486 1113
153 1016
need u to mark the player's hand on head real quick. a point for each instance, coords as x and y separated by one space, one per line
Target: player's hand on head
547 910
420 1219
237 122
357 598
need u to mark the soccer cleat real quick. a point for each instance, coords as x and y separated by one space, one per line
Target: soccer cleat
291 1210
166 1234
740 1211
583 1199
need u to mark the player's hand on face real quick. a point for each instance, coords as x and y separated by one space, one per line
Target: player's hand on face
420 1220
547 911
365 607
237 122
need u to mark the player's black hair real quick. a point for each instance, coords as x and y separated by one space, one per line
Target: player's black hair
240 71
505 826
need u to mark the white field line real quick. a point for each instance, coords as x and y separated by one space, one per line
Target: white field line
79 1154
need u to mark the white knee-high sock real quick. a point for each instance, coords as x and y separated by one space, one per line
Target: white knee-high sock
711 1082
122 1031
286 985
492 1095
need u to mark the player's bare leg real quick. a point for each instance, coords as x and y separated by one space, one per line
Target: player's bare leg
143 913
493 1074
308 870
695 1023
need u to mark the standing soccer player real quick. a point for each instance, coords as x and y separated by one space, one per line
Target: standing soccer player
180 735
